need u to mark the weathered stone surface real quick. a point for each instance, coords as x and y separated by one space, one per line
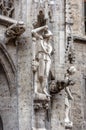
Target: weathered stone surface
16 77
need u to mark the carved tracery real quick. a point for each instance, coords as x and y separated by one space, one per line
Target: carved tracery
9 69
7 7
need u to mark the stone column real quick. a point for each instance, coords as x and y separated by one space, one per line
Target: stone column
57 111
25 97
57 100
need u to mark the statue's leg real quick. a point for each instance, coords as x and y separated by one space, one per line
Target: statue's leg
68 123
67 114
48 65
45 82
36 83
41 69
67 109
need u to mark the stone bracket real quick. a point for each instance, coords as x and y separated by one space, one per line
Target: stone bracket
6 21
41 102
15 28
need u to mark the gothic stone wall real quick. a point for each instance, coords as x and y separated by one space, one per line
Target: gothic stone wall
78 90
8 95
78 16
22 58
25 78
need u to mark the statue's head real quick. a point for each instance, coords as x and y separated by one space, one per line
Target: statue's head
47 34
71 70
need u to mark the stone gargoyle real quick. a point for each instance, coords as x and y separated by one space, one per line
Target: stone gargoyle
15 30
55 86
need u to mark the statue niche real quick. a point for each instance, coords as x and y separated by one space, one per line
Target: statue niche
15 30
41 20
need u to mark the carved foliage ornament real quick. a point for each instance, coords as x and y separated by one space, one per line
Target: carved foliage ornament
7 7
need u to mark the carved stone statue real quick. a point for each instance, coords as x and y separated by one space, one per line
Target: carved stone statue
68 97
41 58
15 30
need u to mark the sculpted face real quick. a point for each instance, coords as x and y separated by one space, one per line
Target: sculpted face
47 34
53 86
72 69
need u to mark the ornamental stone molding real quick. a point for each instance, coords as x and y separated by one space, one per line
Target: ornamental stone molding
9 69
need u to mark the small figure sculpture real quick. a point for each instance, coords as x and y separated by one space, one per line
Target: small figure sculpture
70 71
15 30
41 58
56 86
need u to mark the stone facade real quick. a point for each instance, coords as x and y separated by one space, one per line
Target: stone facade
20 107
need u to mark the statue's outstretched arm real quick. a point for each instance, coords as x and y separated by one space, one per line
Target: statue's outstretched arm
39 29
35 31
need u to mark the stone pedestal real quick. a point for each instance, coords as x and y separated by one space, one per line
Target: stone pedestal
41 105
68 126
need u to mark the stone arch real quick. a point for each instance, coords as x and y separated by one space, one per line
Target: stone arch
9 69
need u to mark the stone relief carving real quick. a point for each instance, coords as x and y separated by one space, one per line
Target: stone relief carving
41 105
47 7
55 86
7 7
41 59
15 30
70 52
